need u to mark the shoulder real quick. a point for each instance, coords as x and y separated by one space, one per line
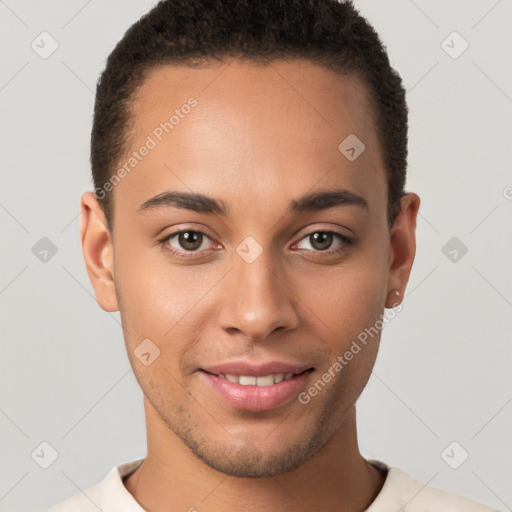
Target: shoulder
109 495
401 489
86 501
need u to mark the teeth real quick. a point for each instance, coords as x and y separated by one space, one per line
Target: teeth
246 381
264 380
267 380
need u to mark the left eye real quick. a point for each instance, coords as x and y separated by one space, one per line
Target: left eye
323 240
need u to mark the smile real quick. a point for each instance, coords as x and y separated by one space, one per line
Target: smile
261 392
265 380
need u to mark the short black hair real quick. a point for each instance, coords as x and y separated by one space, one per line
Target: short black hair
331 33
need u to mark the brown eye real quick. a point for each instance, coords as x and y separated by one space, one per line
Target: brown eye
325 241
190 243
187 243
321 240
190 240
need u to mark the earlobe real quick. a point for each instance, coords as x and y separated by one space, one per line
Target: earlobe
403 248
98 251
393 299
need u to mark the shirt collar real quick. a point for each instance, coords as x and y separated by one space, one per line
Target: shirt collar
117 497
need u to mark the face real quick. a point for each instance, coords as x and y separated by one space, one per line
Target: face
283 264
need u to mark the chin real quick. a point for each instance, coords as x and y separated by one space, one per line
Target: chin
249 462
248 459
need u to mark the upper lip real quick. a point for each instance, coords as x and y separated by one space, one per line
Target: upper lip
255 370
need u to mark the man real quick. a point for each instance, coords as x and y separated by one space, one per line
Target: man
249 221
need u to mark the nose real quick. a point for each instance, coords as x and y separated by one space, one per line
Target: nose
258 299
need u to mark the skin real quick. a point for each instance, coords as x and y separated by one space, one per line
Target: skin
256 143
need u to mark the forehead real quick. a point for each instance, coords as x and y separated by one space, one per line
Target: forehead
252 129
298 88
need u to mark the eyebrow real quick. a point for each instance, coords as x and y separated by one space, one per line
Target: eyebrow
315 201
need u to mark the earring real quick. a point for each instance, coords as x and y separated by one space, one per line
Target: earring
396 292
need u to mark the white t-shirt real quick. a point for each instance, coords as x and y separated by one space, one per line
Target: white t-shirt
399 490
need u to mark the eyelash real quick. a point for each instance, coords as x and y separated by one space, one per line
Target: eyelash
193 254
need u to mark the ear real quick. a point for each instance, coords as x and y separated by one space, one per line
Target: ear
98 251
403 248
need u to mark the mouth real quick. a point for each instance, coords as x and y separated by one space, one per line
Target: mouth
256 389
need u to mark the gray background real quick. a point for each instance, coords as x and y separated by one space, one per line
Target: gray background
443 372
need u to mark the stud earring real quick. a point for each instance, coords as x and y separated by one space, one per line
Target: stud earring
397 293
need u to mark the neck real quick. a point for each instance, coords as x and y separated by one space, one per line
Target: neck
171 477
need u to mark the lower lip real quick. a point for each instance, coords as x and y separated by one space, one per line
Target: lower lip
256 398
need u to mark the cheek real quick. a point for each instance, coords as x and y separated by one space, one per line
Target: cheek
348 305
150 289
346 298
162 301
